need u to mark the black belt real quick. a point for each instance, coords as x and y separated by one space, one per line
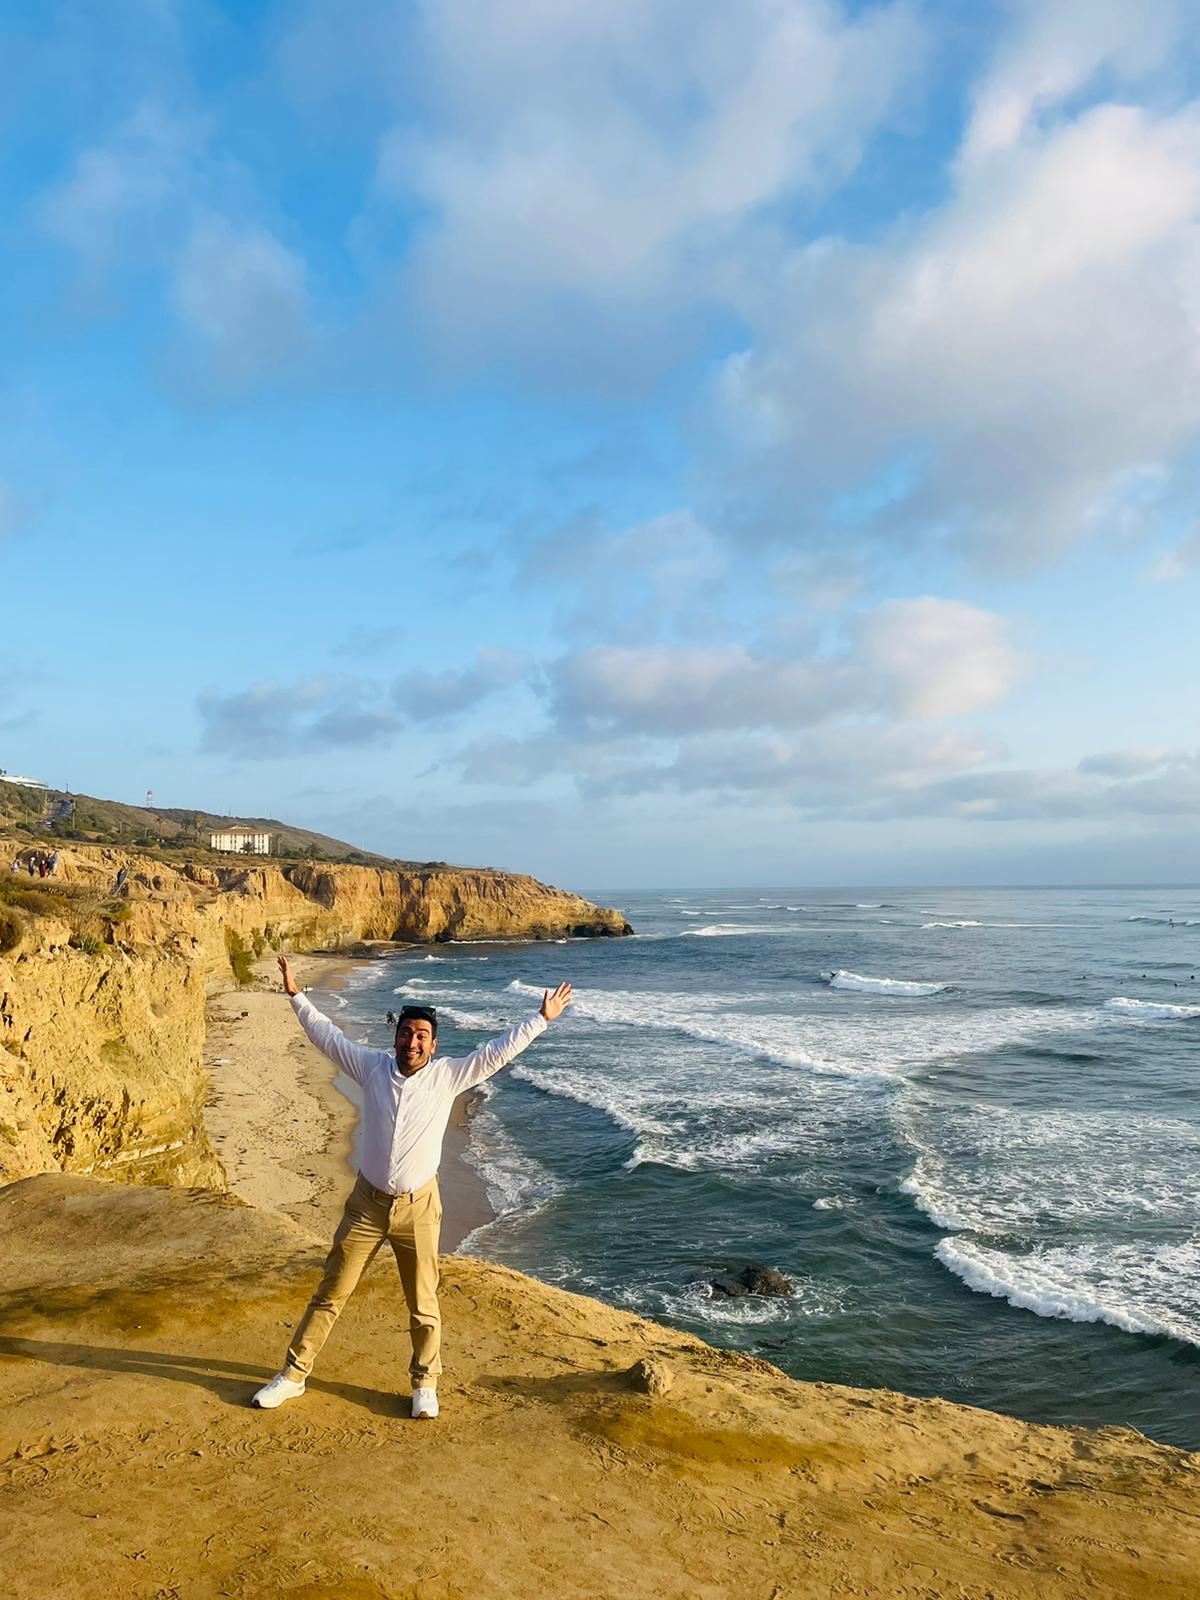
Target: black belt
384 1197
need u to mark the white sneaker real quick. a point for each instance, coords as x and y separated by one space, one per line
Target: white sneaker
280 1388
425 1406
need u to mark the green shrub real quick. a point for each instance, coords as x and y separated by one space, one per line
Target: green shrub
12 926
239 958
258 943
88 943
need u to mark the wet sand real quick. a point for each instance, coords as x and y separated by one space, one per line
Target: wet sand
282 1118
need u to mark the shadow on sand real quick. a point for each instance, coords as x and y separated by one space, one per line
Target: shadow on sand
232 1382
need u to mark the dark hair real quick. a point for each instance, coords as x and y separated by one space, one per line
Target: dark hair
418 1014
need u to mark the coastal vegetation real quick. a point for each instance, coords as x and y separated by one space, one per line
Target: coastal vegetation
241 958
91 918
42 816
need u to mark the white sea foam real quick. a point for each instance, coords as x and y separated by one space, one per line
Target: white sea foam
1151 1291
481 1019
992 1169
339 1001
965 923
868 905
1150 1010
698 1303
738 1125
873 1046
517 1184
893 986
773 1038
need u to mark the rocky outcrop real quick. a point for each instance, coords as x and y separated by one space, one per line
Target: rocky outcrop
135 1324
101 1038
750 1279
329 907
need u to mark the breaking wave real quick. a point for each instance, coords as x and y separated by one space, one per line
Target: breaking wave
1151 1291
1150 1009
893 986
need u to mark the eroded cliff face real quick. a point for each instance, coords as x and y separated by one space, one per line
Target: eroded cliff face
102 1048
101 1069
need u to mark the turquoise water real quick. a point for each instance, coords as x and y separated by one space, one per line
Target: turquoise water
964 1123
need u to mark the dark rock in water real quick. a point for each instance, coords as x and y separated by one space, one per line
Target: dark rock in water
766 1280
750 1279
727 1286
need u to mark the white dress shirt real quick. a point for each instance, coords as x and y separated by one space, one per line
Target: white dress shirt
404 1119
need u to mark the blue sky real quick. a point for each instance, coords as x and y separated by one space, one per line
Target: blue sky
636 443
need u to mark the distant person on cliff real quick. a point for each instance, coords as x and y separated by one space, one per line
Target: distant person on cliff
408 1094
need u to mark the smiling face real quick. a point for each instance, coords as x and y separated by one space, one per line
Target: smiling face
415 1040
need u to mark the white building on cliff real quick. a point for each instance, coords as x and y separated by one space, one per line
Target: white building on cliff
242 841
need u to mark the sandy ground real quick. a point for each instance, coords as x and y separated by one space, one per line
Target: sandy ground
137 1322
280 1125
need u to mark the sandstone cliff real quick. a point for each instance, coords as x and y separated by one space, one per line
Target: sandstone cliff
102 1034
136 1323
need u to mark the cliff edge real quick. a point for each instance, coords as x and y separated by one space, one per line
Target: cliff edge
102 988
135 1324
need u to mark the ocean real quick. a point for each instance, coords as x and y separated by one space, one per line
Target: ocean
964 1123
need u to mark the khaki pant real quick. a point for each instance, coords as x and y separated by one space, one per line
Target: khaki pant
410 1223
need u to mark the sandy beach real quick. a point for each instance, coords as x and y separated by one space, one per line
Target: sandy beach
281 1124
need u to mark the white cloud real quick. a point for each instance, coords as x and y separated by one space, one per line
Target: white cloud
269 721
664 690
1133 763
924 658
663 575
996 370
1054 49
123 195
1048 795
818 769
600 155
158 195
425 696
941 658
243 296
1178 562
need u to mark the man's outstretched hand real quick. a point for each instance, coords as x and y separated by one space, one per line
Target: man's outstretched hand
556 1001
289 983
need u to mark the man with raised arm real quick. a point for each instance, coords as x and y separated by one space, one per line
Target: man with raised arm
407 1097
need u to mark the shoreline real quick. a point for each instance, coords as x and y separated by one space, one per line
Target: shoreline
281 1120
